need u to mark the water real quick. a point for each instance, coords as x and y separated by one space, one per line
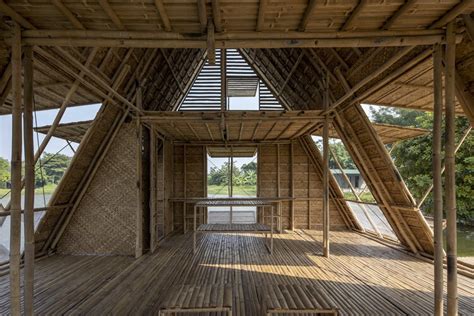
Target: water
465 240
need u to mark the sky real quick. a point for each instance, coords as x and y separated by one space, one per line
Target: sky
72 114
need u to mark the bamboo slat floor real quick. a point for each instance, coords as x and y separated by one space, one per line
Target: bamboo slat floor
362 276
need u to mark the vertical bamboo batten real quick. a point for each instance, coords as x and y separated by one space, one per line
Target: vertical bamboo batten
29 225
292 175
450 184
437 184
15 210
326 174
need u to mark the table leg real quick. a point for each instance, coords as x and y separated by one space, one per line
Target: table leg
194 231
184 217
271 231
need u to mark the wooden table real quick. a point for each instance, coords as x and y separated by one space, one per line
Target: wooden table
241 228
198 299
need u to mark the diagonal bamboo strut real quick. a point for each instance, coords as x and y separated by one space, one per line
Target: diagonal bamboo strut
346 178
366 186
461 141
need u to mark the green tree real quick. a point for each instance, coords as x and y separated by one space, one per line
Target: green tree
55 166
413 158
342 155
4 172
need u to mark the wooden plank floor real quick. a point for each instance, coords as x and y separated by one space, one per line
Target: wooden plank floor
362 276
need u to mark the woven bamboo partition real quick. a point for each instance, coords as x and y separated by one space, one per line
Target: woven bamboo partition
104 222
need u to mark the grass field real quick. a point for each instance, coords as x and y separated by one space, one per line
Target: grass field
48 189
246 190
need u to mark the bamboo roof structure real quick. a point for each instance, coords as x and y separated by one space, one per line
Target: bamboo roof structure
315 63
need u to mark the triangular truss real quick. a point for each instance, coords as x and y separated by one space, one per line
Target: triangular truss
242 81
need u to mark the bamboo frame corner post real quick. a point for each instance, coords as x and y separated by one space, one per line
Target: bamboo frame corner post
450 184
29 226
15 209
437 182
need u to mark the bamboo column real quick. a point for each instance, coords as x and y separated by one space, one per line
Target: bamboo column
29 225
15 209
326 174
437 184
450 184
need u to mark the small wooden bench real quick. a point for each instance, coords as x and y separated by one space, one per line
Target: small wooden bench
198 298
296 299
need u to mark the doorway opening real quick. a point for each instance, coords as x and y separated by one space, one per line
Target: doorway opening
232 173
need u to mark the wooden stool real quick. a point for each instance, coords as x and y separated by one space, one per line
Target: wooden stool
296 299
198 298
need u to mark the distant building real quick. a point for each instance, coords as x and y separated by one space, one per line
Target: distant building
354 177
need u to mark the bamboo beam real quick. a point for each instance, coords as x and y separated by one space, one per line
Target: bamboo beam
437 181
239 41
163 15
372 76
452 14
268 35
211 43
68 14
353 16
261 15
15 220
450 181
202 14
7 10
111 14
308 12
404 8
469 23
326 173
216 15
29 224
99 81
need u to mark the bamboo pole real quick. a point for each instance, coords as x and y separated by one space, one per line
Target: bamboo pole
15 209
437 184
29 226
450 184
326 173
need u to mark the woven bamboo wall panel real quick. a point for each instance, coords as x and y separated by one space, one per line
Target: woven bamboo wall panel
306 185
105 221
